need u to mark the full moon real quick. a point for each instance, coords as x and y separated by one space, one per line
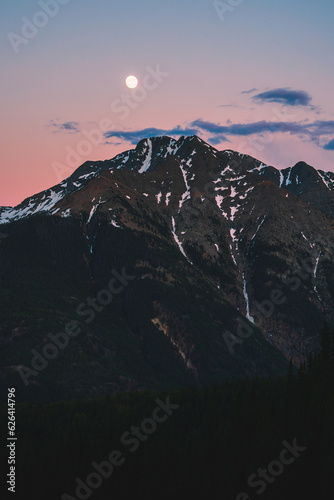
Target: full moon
131 82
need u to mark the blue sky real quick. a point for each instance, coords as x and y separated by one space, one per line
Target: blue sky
63 82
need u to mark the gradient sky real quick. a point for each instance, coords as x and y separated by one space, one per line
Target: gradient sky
251 75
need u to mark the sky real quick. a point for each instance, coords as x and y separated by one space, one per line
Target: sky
255 76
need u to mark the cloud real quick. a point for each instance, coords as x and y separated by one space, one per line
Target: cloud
284 96
317 131
329 145
245 129
135 136
217 139
70 127
248 91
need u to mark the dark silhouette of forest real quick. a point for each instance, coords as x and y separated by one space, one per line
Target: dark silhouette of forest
208 447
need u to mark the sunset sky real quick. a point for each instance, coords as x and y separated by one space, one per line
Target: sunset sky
251 75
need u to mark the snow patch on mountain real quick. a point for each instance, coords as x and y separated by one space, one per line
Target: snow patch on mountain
92 212
323 180
178 242
147 161
51 198
248 316
186 194
258 227
315 276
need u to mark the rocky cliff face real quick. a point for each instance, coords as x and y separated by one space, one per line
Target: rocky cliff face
233 262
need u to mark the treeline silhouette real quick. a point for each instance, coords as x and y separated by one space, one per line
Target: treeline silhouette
207 448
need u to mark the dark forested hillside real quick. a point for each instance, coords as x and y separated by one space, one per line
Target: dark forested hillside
210 443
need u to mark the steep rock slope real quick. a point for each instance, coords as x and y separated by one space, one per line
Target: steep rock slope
233 266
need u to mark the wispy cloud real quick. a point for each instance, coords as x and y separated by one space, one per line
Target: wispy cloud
317 131
245 129
284 96
134 136
249 91
329 145
70 127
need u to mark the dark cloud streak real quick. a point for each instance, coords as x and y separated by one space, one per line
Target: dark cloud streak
284 96
314 131
71 127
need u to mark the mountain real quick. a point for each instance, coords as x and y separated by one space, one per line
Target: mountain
226 267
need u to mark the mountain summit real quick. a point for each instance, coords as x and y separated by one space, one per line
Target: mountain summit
233 262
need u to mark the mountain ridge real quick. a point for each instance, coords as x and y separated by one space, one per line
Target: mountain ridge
189 221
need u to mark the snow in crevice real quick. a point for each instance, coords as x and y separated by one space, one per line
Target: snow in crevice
158 197
168 195
250 213
235 179
315 275
257 230
92 212
147 162
186 194
113 220
311 244
259 168
178 242
232 233
127 156
248 316
323 179
219 200
234 211
232 255
92 243
244 196
228 152
94 208
66 213
289 181
87 176
235 242
114 223
227 169
281 178
316 265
